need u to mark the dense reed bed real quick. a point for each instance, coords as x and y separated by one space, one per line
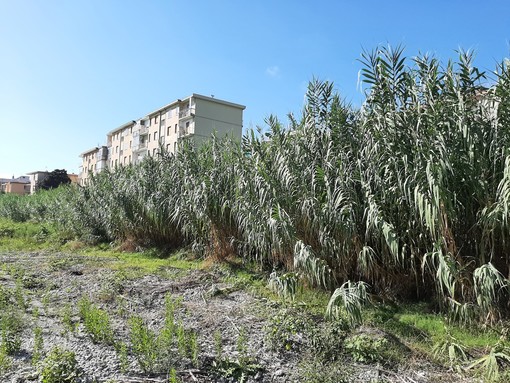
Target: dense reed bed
408 196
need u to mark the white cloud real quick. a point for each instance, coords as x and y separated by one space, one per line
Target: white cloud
273 71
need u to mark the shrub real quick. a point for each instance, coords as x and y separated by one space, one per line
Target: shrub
59 366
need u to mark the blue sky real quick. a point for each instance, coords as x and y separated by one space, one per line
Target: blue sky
72 70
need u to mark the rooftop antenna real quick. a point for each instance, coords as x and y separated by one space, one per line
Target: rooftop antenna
212 95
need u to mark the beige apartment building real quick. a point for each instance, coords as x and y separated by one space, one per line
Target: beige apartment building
93 161
196 117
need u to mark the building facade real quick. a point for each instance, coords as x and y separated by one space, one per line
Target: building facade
35 178
196 118
20 185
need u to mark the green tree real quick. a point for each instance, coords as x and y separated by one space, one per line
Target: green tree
54 179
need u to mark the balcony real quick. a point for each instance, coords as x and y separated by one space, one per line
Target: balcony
102 154
140 146
186 113
143 130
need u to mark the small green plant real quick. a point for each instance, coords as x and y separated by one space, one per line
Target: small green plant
233 370
143 344
285 330
45 300
38 350
10 332
365 349
5 361
36 313
5 297
182 340
172 376
218 345
326 340
59 366
67 318
122 354
194 349
96 321
242 348
18 294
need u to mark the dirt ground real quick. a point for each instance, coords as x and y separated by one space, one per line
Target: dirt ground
211 306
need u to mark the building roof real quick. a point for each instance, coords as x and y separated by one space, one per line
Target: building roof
18 180
38 172
199 96
213 99
89 151
124 126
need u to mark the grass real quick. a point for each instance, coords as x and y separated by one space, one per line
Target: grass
437 328
26 236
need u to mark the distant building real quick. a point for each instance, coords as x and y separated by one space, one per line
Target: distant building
35 178
20 185
196 118
39 176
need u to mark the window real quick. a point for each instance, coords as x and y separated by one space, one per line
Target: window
130 144
175 129
117 149
154 151
155 136
168 131
130 158
125 160
167 147
175 147
116 162
187 127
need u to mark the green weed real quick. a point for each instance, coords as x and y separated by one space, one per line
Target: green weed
11 325
38 349
143 344
67 318
59 366
5 361
122 354
285 329
366 349
96 321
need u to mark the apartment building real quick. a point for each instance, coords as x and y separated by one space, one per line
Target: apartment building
195 118
94 160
